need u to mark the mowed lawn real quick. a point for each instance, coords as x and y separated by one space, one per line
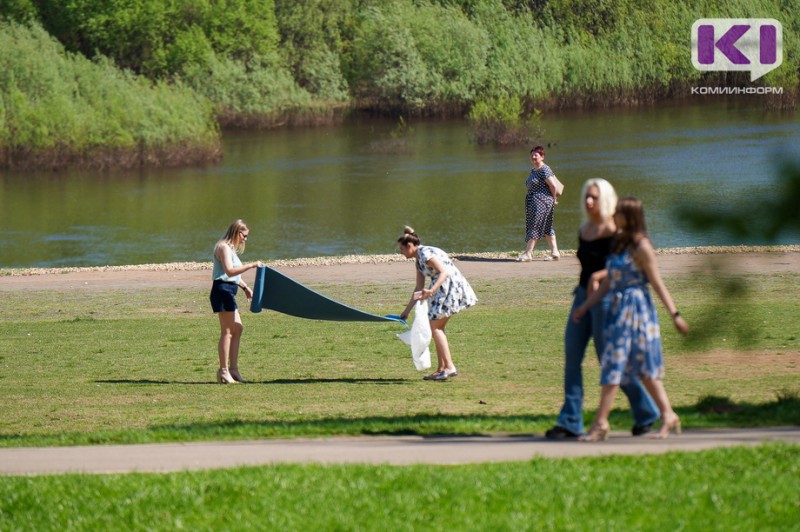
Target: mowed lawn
126 366
94 366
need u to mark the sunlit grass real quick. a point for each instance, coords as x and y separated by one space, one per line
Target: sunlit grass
99 366
723 489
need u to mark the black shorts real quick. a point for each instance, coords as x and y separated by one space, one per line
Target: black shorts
223 296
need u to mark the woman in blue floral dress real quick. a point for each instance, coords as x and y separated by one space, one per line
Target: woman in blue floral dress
449 293
633 337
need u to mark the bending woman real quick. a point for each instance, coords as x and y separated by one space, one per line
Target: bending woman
227 275
449 293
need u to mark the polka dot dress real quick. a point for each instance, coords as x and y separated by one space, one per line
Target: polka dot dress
539 205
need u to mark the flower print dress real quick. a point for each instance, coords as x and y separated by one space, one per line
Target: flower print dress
633 337
539 204
454 295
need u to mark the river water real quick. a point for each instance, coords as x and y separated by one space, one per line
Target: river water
350 188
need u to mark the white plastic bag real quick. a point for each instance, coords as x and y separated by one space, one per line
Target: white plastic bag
419 337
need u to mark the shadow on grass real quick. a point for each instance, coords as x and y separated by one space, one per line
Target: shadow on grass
709 412
715 411
275 381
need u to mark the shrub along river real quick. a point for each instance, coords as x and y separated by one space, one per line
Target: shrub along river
350 188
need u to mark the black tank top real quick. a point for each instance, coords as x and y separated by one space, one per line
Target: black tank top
592 254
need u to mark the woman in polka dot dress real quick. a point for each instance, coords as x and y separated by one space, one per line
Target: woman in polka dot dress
540 204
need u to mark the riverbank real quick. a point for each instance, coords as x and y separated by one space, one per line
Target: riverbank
73 88
377 268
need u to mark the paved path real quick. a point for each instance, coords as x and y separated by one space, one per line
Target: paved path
401 450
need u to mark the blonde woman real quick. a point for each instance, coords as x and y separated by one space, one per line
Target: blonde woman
449 293
633 336
594 245
227 279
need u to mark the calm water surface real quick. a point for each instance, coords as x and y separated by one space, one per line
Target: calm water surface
349 189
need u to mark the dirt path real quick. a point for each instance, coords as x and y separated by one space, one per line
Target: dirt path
389 268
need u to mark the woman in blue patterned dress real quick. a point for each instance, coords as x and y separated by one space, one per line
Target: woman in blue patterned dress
595 236
633 337
540 203
449 293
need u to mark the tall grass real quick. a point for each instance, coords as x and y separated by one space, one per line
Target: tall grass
61 109
266 63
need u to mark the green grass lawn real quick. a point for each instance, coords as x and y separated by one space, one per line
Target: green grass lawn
724 489
86 366
95 366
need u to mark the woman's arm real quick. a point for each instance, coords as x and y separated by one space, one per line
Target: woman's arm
592 300
415 296
552 187
595 280
645 258
443 272
223 253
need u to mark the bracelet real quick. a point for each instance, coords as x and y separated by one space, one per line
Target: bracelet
675 314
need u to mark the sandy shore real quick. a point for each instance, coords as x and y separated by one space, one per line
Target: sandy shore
394 268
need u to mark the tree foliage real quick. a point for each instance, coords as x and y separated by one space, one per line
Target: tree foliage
58 108
159 38
262 61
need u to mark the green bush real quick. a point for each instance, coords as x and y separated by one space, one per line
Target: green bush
60 108
502 120
417 56
385 69
454 51
247 95
523 59
159 38
313 34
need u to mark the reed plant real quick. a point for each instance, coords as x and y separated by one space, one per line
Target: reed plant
61 109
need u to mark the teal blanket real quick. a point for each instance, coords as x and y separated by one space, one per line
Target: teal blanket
274 291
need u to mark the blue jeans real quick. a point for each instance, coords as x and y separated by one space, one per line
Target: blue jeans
576 338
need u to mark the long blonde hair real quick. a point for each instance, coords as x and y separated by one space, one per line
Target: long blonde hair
607 197
233 236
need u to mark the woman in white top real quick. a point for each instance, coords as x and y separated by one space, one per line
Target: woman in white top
227 275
